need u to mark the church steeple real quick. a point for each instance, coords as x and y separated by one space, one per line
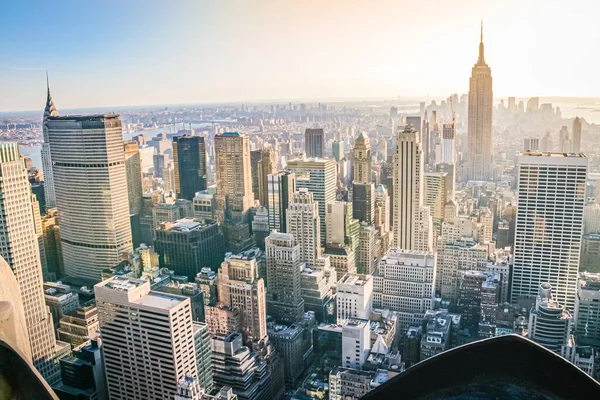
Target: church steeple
50 110
481 60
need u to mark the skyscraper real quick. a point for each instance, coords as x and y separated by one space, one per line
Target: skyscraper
20 249
266 166
314 143
342 228
319 176
479 162
303 222
549 224
91 191
280 188
133 169
576 143
240 287
284 291
234 179
234 189
163 351
49 111
411 218
362 159
189 159
449 146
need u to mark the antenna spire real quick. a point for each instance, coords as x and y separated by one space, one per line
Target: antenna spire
47 81
481 60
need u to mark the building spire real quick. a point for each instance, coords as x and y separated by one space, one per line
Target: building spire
50 110
481 59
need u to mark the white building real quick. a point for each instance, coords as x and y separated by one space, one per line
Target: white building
592 217
319 176
549 322
20 249
405 283
549 224
356 343
411 220
354 297
147 339
90 183
303 222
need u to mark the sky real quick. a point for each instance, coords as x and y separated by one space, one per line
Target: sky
145 52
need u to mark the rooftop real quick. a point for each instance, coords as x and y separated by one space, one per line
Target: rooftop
159 300
122 284
552 154
90 117
355 280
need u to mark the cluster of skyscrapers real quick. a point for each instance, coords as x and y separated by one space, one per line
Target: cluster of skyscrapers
232 271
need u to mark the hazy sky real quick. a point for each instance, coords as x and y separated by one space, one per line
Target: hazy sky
130 52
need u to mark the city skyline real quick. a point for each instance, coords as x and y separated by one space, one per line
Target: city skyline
162 52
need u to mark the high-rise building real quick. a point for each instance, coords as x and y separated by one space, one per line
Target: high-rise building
342 259
363 201
564 143
133 169
234 182
366 259
576 142
80 325
314 143
454 259
319 177
449 146
362 160
549 321
549 224
479 157
280 188
163 351
234 195
303 222
531 144
284 290
188 245
405 283
337 150
82 373
189 160
587 310
241 288
20 249
342 228
203 356
354 297
382 209
49 111
91 191
411 219
435 196
266 166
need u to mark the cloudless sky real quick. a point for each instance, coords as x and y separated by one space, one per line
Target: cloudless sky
139 52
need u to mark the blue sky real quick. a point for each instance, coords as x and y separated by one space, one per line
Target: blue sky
130 52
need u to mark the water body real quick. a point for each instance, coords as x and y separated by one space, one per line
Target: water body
35 152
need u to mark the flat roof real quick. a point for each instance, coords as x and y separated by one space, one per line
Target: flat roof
161 300
122 284
82 117
552 154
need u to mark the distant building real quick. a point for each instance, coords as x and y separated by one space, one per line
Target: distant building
314 143
319 176
438 327
280 188
284 288
189 160
203 356
576 142
79 326
342 259
60 299
133 169
304 224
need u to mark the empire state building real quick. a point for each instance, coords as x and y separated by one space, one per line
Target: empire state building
479 163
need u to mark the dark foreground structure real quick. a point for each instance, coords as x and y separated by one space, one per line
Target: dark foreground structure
18 378
502 368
